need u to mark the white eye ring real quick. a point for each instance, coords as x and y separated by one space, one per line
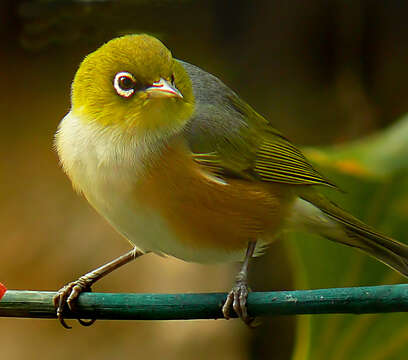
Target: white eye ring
124 84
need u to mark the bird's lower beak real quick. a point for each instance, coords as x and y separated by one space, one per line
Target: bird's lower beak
163 88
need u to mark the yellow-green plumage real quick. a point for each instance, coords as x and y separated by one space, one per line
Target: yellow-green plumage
94 98
114 147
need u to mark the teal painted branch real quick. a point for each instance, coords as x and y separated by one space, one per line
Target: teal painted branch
357 300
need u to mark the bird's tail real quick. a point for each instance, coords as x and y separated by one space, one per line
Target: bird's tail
314 212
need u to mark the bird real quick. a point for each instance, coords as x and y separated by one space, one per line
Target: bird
181 166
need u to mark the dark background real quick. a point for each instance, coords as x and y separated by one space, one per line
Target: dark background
323 72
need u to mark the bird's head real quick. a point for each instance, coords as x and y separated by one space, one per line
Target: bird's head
134 84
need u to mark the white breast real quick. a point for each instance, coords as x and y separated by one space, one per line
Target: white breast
106 170
105 167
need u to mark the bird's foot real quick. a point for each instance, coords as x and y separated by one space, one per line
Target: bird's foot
67 296
237 298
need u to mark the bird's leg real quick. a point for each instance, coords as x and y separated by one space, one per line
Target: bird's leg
68 294
237 297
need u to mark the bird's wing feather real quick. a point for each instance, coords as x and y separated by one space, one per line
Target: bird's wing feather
278 160
230 138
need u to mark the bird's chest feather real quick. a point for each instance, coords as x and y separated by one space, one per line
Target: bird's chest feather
168 203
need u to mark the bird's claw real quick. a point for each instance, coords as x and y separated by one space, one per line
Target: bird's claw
67 296
237 298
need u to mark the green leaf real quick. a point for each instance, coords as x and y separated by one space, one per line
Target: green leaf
373 173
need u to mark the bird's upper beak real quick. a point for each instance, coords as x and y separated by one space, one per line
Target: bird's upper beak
163 88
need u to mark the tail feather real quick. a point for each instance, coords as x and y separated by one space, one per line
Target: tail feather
381 252
336 224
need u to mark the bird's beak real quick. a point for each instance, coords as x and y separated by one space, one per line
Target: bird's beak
163 88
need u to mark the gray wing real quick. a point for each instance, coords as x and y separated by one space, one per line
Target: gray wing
226 134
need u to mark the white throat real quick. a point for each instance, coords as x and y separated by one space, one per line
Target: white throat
89 152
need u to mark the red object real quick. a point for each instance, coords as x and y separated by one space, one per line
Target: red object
3 290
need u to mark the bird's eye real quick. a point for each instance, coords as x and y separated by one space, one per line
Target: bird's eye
124 84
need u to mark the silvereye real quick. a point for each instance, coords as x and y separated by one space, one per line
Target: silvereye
180 165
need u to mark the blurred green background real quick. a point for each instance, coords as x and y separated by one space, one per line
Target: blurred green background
324 73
